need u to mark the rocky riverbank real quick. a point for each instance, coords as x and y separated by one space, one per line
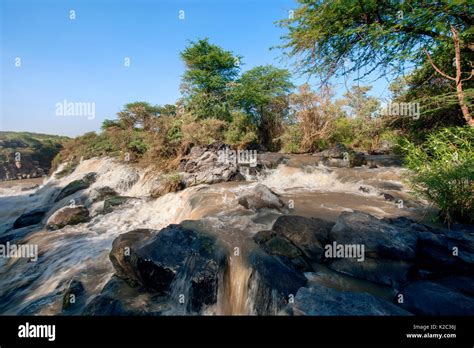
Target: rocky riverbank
333 233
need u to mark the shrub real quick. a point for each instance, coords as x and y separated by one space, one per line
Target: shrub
241 132
443 171
291 139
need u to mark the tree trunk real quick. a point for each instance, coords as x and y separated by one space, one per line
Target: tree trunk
460 92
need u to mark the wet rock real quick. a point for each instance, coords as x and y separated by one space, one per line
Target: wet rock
271 160
381 239
323 301
172 258
364 189
445 252
271 283
357 159
76 185
308 234
261 197
68 216
464 284
167 185
102 193
112 202
389 248
73 295
337 151
30 218
278 246
429 298
119 298
393 273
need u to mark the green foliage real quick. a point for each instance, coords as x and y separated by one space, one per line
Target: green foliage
361 105
209 72
291 139
241 132
262 93
444 171
379 34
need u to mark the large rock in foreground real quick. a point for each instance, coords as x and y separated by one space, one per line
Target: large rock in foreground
271 283
308 234
428 298
381 239
175 261
323 301
68 216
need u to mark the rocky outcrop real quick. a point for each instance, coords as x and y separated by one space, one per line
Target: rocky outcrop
323 301
111 203
308 234
69 215
282 248
76 185
261 197
271 283
203 166
446 252
30 218
118 298
341 156
172 261
389 248
429 298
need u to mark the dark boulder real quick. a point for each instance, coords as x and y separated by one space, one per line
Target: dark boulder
308 234
30 218
76 185
322 301
73 295
446 252
173 259
271 283
393 273
381 238
429 298
279 246
118 298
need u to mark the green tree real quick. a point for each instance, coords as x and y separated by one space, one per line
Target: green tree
139 115
384 35
207 80
360 104
263 94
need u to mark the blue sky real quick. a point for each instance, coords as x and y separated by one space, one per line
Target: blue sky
82 60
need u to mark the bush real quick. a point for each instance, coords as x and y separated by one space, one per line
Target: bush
203 132
241 132
443 172
291 139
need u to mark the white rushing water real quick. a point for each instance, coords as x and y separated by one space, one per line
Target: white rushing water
82 250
